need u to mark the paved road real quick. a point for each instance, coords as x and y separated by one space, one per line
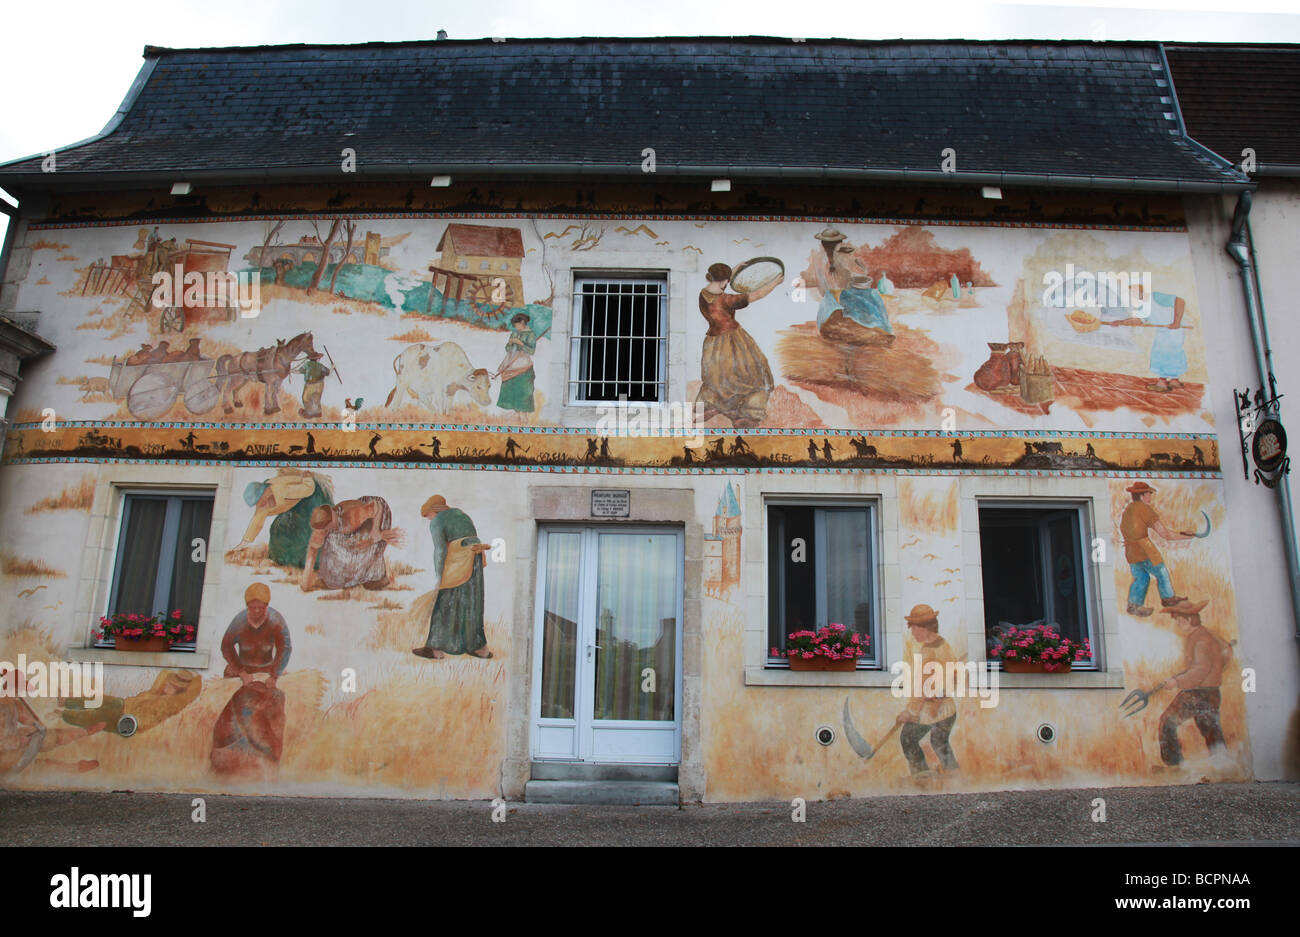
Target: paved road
1222 814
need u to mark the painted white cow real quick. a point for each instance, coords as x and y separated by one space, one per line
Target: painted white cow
433 374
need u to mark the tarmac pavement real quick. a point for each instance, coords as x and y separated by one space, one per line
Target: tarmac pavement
1201 814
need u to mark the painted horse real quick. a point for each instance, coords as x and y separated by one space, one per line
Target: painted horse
270 366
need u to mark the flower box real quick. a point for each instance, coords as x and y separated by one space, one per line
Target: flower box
832 647
132 631
820 662
141 644
1037 648
1033 666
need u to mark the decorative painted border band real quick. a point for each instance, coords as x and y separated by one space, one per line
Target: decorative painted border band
627 470
928 450
588 430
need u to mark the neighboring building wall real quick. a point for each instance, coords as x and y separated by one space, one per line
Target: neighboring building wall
935 423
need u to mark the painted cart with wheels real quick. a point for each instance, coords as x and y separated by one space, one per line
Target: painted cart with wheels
151 389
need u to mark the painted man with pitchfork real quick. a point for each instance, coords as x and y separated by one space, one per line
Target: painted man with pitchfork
1205 655
313 386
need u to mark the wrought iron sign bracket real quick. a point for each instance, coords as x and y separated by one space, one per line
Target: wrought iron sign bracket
1262 437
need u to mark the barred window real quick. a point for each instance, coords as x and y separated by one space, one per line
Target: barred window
617 349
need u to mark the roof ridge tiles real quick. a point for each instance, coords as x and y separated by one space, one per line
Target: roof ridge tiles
804 43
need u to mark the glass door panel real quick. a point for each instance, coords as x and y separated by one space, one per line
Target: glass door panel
560 624
845 543
636 631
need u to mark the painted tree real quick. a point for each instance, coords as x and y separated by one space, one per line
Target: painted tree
266 242
351 228
324 253
281 266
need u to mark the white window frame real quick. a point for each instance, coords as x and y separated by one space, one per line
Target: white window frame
1091 610
171 524
1094 494
575 381
874 661
821 489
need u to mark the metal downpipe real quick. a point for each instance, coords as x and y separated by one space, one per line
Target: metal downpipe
1241 250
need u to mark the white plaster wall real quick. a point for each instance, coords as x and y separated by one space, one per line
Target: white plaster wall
1267 618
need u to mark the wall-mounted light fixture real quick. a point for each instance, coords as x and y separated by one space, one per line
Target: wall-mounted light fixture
721 185
991 191
440 182
181 188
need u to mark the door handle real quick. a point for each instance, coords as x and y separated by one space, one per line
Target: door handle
590 649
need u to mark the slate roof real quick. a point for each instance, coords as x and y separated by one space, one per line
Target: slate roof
1077 112
1238 96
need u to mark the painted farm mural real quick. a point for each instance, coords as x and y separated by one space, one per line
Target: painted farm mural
372 398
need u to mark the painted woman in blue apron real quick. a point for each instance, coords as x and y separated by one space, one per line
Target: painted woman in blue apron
1168 356
851 310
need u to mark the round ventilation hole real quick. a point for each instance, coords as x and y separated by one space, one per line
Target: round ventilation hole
1046 733
825 735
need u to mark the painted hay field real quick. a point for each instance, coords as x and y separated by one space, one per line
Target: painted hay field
758 742
412 728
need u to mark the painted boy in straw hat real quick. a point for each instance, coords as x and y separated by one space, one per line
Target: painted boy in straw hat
1144 560
934 712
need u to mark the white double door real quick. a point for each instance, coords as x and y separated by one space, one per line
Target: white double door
607 645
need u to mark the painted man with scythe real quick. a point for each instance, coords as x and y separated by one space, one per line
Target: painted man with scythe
934 712
1145 561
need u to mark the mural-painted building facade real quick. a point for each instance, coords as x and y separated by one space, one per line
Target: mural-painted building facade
477 489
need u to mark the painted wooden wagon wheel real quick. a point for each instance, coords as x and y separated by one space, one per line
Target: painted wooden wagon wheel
492 295
173 318
152 395
201 394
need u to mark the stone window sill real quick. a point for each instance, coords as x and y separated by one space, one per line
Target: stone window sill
183 660
1074 680
783 676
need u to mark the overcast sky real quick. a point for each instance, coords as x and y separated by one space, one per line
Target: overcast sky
66 64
